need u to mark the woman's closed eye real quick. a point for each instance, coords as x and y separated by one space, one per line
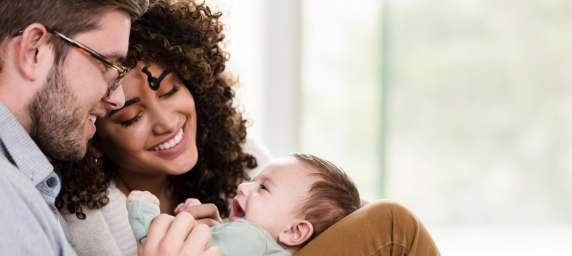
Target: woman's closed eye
132 120
175 89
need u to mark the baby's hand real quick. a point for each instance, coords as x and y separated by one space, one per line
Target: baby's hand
188 203
203 213
142 195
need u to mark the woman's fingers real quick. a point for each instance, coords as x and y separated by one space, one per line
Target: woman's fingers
198 240
158 229
204 211
213 251
208 222
179 235
179 230
140 249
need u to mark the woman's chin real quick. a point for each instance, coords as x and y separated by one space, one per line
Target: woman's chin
183 167
182 163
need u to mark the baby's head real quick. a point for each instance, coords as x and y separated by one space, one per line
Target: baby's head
295 198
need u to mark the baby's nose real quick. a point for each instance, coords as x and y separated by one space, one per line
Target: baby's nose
242 189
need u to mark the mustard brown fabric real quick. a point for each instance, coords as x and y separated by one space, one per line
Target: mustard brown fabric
381 228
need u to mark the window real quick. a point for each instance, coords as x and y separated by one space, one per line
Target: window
459 109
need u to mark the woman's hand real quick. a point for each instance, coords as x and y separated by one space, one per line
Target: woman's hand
203 213
179 235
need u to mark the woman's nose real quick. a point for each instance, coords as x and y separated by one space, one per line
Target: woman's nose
165 122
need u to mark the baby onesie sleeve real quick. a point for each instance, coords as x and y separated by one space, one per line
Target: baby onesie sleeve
141 215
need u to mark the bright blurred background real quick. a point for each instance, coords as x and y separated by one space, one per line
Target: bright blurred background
461 110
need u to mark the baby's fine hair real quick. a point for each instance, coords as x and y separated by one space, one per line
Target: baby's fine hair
331 199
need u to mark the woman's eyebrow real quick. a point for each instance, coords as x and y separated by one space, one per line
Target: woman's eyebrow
127 104
154 82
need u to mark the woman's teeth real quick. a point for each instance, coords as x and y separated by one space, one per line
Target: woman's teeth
92 118
171 143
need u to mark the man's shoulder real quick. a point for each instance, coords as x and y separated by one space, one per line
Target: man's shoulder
28 225
11 177
18 195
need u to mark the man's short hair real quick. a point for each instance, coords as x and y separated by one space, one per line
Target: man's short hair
330 199
68 17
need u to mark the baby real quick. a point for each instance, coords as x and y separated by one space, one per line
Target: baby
287 204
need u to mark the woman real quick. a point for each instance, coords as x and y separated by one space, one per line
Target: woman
180 137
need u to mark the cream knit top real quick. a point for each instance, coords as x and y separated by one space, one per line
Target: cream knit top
107 232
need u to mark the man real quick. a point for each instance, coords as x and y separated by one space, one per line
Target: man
59 72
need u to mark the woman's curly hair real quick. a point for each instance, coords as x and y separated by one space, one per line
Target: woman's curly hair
186 38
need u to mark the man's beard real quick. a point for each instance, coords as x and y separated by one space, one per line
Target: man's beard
57 126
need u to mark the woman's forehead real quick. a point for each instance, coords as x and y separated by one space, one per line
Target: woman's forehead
143 78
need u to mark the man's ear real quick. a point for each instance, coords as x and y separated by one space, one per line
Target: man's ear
298 233
34 51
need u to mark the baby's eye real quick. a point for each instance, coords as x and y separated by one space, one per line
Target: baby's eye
263 187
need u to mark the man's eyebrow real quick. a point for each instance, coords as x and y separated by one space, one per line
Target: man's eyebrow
127 104
117 57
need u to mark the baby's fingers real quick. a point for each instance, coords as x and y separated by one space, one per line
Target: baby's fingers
188 203
179 207
204 211
192 202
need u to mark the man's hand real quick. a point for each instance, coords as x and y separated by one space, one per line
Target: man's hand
204 213
179 235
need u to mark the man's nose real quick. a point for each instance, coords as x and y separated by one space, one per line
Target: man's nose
117 99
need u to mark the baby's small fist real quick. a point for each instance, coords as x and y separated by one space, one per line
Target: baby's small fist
188 203
142 195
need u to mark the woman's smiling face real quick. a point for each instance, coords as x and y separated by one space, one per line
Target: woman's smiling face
155 132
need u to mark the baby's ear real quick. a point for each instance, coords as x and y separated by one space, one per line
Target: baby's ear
298 233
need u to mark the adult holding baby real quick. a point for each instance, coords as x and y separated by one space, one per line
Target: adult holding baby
180 136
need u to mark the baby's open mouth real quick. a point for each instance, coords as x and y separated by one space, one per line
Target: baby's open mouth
238 212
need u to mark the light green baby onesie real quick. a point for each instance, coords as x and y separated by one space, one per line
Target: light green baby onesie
238 238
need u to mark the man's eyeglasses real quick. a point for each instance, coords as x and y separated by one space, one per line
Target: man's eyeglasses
120 68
